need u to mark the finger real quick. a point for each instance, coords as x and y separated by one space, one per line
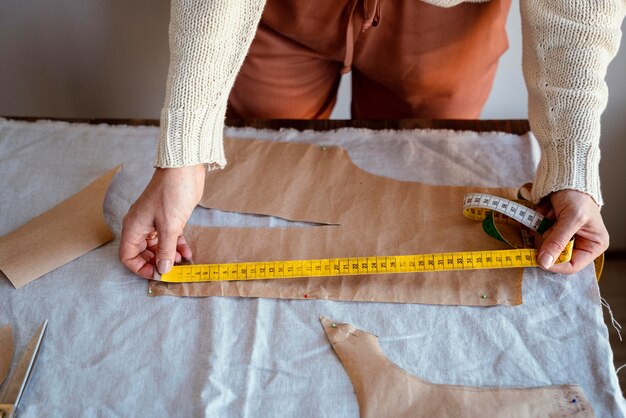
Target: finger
154 250
555 240
146 272
580 259
166 248
152 239
584 252
147 255
183 248
132 244
140 266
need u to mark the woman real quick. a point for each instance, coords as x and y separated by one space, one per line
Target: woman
429 59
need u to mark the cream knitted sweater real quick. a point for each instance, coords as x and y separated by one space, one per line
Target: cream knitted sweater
567 46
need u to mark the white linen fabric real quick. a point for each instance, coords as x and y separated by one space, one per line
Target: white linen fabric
111 349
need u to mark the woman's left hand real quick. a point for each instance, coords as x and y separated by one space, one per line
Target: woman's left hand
577 215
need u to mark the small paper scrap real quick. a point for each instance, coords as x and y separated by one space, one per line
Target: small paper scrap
72 228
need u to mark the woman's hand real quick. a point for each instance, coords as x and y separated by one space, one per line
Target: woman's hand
153 226
577 215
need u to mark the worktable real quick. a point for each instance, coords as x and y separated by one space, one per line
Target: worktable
113 350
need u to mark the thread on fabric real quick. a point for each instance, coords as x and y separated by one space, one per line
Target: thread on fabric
614 322
620 368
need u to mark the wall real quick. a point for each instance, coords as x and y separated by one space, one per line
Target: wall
108 59
91 58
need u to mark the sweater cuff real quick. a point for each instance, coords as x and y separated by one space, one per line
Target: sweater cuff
568 165
190 137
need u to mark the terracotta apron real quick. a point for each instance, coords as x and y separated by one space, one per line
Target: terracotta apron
408 59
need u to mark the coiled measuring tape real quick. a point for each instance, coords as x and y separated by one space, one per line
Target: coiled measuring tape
489 209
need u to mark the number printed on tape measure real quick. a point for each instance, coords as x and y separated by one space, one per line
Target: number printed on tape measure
475 206
419 263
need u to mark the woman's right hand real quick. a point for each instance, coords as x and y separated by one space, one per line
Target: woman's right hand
152 230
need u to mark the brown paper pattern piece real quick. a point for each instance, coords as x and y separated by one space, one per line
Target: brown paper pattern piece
72 228
383 389
6 351
366 215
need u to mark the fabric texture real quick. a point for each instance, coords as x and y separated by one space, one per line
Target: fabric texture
112 350
208 42
567 48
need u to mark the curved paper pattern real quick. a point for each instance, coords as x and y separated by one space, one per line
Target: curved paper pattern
75 226
375 216
6 351
383 389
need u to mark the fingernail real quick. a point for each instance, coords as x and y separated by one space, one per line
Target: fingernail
164 266
546 261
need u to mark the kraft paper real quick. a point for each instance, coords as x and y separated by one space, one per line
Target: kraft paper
6 351
383 389
364 215
58 236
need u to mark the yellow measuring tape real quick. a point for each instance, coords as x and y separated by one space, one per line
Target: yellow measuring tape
477 206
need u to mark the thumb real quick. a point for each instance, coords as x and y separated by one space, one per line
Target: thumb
555 240
166 249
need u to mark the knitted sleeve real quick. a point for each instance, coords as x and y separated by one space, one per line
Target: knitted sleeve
567 47
208 41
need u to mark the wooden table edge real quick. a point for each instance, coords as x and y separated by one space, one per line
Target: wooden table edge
512 126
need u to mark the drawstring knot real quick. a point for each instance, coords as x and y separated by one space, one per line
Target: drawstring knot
372 17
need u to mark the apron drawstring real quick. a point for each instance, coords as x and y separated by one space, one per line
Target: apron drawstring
371 19
371 12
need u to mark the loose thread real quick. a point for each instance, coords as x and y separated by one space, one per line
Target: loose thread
620 368
614 322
